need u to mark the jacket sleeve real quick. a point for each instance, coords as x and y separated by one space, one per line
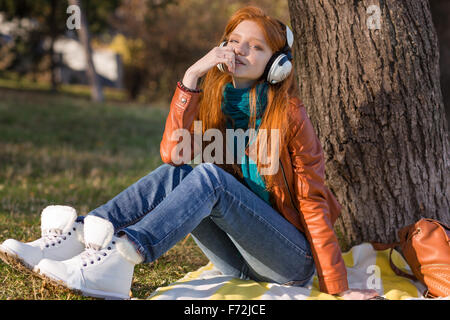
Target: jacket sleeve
183 111
310 193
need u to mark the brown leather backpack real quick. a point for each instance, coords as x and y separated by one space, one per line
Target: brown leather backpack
426 248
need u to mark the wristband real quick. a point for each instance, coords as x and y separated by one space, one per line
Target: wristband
184 88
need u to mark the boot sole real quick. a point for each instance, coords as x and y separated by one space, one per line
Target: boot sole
13 260
82 292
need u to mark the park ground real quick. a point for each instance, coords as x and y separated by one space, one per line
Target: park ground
61 148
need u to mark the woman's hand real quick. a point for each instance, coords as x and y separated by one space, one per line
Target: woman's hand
358 294
212 58
217 55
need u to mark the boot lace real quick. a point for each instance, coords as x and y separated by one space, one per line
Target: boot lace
51 237
91 254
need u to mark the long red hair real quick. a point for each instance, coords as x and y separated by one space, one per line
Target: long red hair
274 117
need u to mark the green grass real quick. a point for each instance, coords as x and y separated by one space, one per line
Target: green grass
14 81
64 149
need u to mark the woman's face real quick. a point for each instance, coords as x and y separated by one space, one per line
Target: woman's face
252 50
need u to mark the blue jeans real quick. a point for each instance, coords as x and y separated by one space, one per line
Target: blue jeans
239 233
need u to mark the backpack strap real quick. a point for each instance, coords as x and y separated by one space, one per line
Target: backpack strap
385 246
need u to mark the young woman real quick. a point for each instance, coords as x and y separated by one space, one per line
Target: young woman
275 227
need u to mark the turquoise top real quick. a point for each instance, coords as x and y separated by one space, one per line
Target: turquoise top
235 105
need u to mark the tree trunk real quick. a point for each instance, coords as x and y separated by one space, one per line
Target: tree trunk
83 34
372 92
440 9
51 51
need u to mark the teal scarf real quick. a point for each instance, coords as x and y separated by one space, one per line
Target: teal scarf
235 106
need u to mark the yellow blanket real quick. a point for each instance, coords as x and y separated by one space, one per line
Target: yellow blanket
366 269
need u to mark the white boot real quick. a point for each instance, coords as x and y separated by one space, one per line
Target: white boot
104 270
61 239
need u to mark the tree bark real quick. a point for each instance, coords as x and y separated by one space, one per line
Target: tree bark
375 100
440 10
83 34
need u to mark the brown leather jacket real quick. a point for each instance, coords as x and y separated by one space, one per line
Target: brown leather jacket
300 193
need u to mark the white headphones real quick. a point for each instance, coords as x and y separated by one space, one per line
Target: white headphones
279 65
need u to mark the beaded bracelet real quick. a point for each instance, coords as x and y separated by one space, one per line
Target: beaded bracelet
183 87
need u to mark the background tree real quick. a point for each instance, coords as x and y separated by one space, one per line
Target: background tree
85 39
372 91
34 47
158 39
165 37
30 47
